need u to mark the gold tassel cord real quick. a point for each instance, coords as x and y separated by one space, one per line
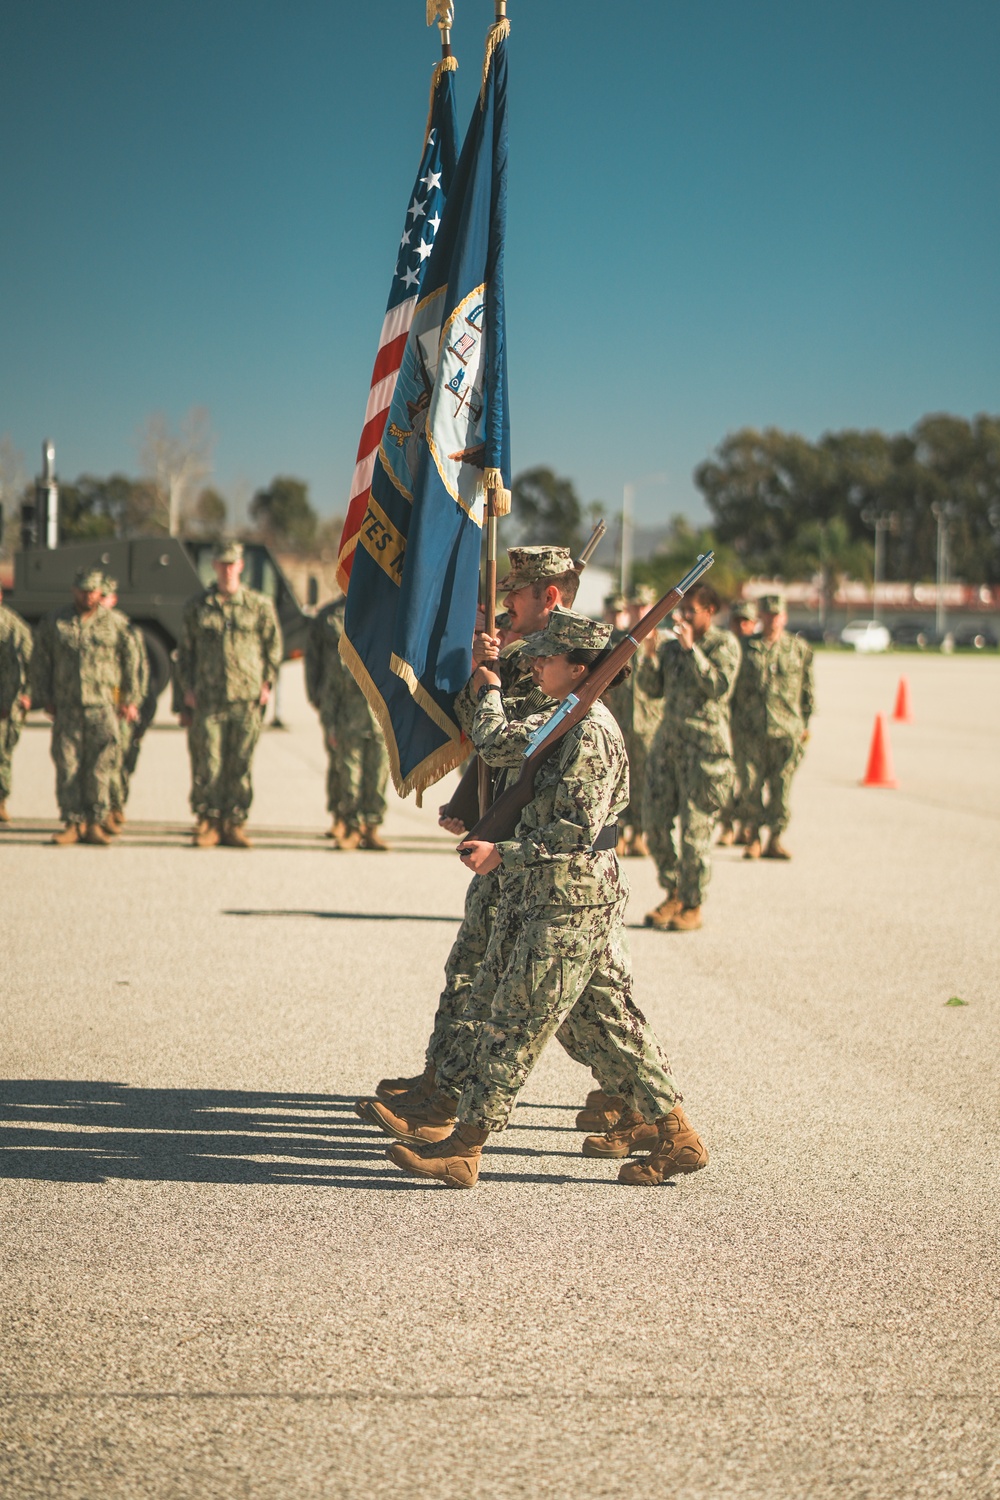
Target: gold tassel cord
446 65
497 33
493 481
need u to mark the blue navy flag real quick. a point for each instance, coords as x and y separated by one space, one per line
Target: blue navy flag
411 605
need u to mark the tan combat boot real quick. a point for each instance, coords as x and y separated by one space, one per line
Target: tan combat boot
600 1111
688 919
4 814
69 835
752 850
453 1161
430 1121
336 830
632 1133
776 849
727 836
371 838
349 839
233 837
388 1088
663 915
95 833
115 821
679 1148
206 834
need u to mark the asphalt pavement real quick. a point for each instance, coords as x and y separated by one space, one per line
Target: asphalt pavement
214 1285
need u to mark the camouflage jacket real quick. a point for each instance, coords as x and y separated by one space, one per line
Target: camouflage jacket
637 713
15 660
521 700
229 648
81 662
774 694
696 686
330 686
580 789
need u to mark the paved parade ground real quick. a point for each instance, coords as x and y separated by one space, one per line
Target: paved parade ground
214 1285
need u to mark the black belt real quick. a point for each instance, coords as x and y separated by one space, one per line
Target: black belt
606 839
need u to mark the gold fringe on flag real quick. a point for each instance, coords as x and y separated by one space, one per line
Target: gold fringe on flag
494 489
497 33
446 65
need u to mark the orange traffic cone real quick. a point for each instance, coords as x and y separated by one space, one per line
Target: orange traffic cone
880 769
903 712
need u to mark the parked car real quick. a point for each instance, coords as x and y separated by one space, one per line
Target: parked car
817 635
866 635
911 633
976 638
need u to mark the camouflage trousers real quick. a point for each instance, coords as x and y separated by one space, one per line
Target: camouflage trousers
637 750
774 763
687 787
736 805
10 733
222 746
564 972
86 748
131 740
356 789
456 1026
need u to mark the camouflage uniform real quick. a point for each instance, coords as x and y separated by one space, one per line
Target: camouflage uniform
638 717
230 648
776 696
86 668
358 761
15 660
557 963
520 697
199 777
130 734
690 771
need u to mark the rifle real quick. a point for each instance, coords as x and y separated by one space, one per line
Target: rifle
467 801
501 819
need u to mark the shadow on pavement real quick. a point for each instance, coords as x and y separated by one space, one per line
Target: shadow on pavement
69 1130
337 916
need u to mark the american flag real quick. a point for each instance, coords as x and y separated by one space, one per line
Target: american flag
433 179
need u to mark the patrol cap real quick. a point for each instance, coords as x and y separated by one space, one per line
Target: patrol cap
567 631
644 595
617 602
110 584
772 604
744 609
88 579
534 565
228 552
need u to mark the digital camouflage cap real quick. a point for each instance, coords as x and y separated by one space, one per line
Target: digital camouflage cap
89 579
567 631
228 552
534 565
772 604
744 609
644 595
110 584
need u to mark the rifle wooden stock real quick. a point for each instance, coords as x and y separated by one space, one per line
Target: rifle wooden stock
501 818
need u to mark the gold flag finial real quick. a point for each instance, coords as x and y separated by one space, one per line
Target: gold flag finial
442 12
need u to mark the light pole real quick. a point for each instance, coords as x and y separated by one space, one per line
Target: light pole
880 522
625 544
942 515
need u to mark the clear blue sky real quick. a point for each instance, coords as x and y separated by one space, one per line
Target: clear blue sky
720 214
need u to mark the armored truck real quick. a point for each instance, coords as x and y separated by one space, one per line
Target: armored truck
156 577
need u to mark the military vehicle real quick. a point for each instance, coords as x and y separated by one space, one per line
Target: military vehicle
156 577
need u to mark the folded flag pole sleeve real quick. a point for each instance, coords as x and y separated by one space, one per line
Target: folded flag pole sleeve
411 605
